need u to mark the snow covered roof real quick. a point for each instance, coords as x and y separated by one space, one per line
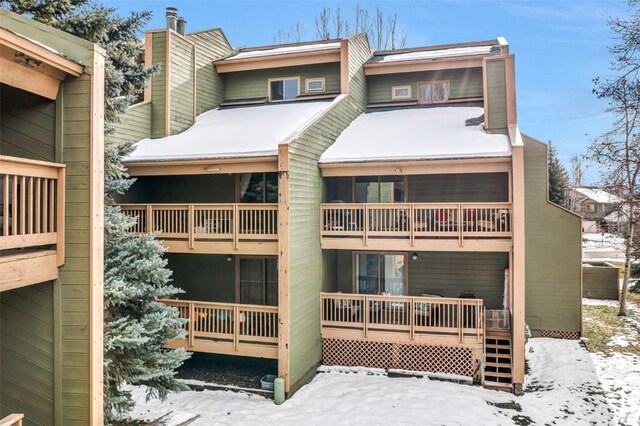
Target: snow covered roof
435 54
418 134
299 48
598 195
438 52
252 131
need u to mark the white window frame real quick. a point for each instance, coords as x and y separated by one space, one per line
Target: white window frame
432 82
282 79
313 80
404 86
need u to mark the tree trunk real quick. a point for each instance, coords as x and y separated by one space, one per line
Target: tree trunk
627 265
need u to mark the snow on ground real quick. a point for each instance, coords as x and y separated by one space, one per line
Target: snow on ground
566 385
602 247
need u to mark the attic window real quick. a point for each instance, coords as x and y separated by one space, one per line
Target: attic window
284 89
314 84
401 92
432 92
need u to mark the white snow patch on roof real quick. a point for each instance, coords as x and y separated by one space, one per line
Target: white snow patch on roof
234 132
598 195
285 50
50 49
436 54
416 133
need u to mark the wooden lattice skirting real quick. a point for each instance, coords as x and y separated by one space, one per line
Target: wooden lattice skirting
569 335
414 357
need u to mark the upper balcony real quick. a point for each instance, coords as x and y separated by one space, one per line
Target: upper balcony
210 228
415 226
31 221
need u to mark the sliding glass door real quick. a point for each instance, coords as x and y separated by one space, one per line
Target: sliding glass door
377 273
258 281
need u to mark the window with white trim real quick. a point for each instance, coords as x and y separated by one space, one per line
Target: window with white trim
284 89
401 92
314 84
432 92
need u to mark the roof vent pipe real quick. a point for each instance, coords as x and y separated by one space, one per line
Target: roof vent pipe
172 18
182 25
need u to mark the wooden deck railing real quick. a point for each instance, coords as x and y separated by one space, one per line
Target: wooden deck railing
193 222
12 420
31 204
416 220
406 317
234 324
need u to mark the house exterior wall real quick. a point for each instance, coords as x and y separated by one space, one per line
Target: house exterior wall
182 83
182 189
27 125
68 312
159 84
134 125
209 278
553 277
210 45
459 188
464 83
496 96
305 268
254 84
27 353
443 273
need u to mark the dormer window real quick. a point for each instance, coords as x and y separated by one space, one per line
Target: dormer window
284 89
433 92
314 85
401 92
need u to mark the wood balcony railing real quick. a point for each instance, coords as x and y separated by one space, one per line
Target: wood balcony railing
397 319
31 204
228 328
213 223
416 221
12 420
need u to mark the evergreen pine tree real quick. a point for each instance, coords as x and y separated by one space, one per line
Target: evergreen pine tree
136 325
558 179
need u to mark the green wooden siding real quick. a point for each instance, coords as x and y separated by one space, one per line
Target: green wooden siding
464 83
443 273
69 297
181 189
553 298
134 125
305 269
182 71
27 354
203 277
74 275
459 188
600 281
496 94
253 84
159 84
210 45
27 125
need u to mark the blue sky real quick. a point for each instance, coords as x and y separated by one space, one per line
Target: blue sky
560 46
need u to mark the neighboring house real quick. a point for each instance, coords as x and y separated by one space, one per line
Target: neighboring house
51 226
592 203
323 204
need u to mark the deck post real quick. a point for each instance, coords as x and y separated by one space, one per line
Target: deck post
190 225
60 220
191 326
236 226
236 327
365 317
412 318
460 321
366 224
149 218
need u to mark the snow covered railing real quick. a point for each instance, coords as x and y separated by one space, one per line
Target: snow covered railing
31 204
228 328
212 222
416 220
360 316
